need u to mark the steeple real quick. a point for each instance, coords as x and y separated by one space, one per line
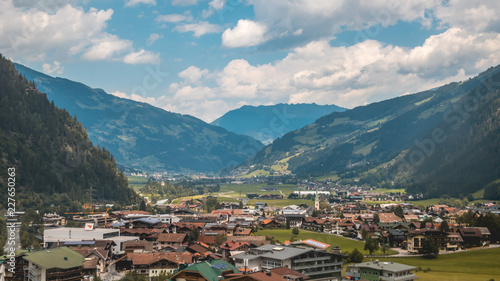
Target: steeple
316 201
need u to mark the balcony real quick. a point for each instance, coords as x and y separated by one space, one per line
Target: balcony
316 265
310 274
400 278
312 259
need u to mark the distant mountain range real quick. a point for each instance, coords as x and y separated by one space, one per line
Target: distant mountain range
144 137
372 144
269 122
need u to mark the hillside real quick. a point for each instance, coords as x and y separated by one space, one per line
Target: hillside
462 154
55 164
359 145
269 122
144 137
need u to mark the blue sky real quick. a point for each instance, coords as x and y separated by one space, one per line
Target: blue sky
206 57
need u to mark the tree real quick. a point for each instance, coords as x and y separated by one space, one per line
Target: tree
287 226
295 231
220 238
429 248
399 212
376 218
142 206
371 245
444 227
364 234
193 235
384 248
356 256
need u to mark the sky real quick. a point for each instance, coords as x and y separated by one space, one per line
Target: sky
206 57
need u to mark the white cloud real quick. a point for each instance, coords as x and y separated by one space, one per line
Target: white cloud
193 74
55 67
347 76
142 56
174 18
245 34
474 16
213 6
184 2
132 3
198 29
153 37
51 32
106 48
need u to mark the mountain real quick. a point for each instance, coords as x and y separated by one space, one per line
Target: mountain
368 144
268 122
46 156
461 154
144 137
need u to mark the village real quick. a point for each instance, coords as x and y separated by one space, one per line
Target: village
210 239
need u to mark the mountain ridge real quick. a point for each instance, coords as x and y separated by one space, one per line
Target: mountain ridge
144 137
268 122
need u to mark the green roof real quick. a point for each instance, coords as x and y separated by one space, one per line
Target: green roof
212 269
63 258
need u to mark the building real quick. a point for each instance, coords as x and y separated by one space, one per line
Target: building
54 235
387 271
317 264
55 264
416 237
213 270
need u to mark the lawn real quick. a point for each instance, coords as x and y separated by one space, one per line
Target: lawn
137 182
346 245
282 202
387 190
255 188
473 265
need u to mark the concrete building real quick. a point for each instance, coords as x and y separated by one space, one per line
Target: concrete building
317 264
386 271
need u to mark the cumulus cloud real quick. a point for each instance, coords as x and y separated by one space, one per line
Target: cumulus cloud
193 74
38 33
213 6
174 18
153 37
132 3
348 76
142 56
55 67
245 34
184 2
199 29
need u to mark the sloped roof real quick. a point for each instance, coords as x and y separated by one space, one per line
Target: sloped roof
172 237
63 258
211 270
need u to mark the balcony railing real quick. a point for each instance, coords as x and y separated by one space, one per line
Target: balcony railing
312 259
316 265
323 271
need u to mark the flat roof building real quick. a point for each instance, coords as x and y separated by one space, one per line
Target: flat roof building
387 271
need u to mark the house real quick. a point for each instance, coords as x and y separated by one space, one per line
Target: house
174 240
140 246
228 246
294 220
471 236
317 264
374 271
212 270
276 274
267 223
55 264
153 264
389 217
416 237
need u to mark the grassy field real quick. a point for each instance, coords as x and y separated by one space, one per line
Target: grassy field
466 266
386 190
346 245
137 182
282 202
255 188
372 203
